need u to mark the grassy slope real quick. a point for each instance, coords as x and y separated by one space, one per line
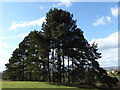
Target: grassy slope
22 84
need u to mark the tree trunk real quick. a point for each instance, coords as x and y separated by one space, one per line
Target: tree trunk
68 70
72 70
53 78
59 66
48 69
63 69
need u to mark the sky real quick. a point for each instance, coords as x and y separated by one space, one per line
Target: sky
98 21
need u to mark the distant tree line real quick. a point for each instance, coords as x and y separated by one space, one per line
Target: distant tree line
58 53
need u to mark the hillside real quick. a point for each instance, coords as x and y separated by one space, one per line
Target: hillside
114 68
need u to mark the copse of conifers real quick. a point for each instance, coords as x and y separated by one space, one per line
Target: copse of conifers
58 53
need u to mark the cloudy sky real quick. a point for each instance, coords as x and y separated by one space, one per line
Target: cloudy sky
97 20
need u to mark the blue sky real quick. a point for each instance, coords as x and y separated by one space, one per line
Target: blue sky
97 20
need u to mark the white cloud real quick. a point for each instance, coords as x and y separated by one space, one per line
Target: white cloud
3 46
66 3
109 48
41 7
3 61
109 57
38 22
114 11
99 21
102 21
7 48
109 42
22 35
3 55
108 18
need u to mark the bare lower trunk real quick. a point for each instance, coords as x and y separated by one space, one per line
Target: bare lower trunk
68 69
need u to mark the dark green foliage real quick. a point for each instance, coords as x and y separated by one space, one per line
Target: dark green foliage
28 61
109 81
58 53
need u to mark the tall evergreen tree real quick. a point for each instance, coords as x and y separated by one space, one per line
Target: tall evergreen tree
28 62
58 23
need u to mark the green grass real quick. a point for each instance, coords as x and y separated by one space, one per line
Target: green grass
28 84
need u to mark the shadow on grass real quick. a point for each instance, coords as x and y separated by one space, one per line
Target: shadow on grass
84 87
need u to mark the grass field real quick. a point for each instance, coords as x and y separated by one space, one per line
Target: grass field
27 84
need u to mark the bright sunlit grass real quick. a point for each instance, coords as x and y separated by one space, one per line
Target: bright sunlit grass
30 84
